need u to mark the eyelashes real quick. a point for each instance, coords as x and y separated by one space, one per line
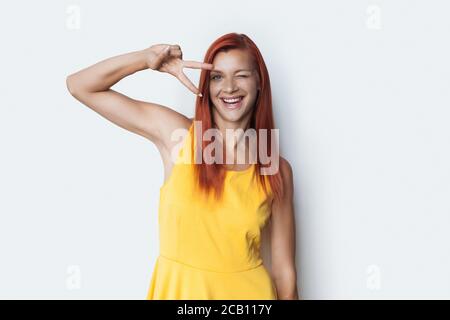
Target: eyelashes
214 77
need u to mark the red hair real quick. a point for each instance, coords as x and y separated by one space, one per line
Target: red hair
211 176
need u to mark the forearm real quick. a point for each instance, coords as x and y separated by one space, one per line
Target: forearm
104 74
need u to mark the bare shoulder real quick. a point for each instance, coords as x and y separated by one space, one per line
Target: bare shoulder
287 175
285 168
168 120
167 143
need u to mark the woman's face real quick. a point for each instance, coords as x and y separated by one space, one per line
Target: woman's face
234 75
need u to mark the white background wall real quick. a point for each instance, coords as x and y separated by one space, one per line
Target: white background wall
361 97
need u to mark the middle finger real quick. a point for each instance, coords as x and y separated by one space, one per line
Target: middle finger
198 65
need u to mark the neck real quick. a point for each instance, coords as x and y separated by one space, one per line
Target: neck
222 124
231 147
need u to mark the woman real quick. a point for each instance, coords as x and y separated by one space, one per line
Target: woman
210 214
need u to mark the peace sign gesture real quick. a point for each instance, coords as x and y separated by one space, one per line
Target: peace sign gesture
169 59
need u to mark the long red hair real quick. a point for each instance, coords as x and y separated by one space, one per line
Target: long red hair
211 176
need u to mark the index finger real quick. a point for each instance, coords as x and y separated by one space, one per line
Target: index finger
198 65
188 83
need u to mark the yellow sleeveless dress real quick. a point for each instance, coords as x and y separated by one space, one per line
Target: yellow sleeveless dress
211 249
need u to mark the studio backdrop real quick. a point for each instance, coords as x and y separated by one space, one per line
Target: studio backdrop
360 94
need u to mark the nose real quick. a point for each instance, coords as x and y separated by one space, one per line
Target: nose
229 86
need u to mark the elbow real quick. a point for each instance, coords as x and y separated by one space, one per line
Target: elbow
70 85
292 296
287 291
286 284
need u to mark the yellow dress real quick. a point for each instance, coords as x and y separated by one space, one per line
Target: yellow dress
211 249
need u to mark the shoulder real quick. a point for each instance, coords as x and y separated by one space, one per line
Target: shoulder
287 177
285 169
170 134
171 127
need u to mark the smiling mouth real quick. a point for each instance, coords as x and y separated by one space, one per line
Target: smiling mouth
232 103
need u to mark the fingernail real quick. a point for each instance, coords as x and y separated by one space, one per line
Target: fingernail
167 48
200 95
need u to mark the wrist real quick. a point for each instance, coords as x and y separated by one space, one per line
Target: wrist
141 57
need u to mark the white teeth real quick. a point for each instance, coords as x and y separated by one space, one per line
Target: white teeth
232 100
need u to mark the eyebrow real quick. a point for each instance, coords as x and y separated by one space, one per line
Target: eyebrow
218 71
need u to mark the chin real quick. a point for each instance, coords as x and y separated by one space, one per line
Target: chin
232 116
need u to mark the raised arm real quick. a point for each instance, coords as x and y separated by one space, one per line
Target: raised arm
91 86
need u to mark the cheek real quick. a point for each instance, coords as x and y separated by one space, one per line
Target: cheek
249 86
213 90
253 97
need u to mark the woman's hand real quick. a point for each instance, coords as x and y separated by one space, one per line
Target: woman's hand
169 58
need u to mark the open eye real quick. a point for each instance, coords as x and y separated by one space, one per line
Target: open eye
214 77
